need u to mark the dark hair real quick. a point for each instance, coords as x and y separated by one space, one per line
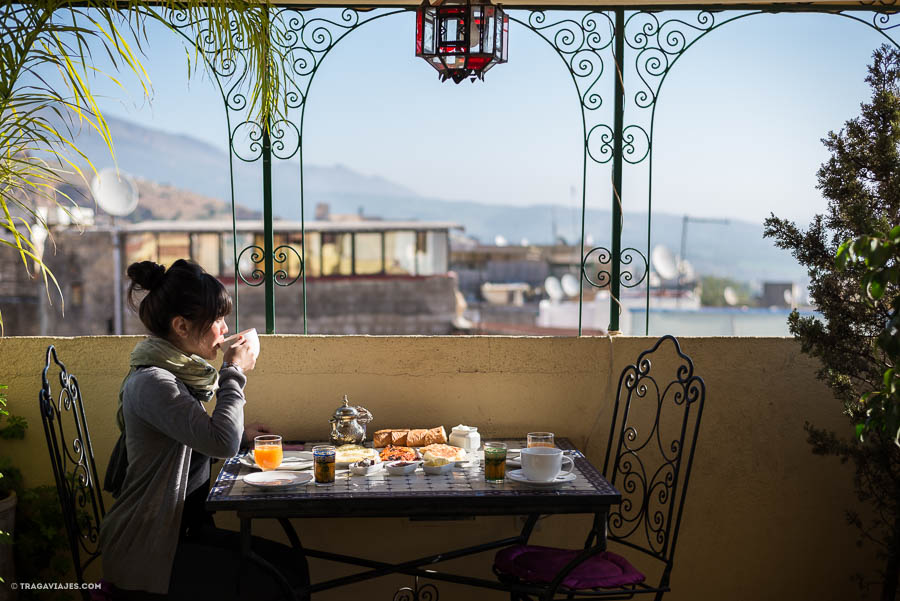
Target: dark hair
184 289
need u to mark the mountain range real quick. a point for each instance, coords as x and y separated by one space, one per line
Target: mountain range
736 249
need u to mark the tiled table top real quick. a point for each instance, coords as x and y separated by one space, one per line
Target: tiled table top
461 491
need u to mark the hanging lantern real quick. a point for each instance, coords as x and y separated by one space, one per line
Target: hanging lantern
461 39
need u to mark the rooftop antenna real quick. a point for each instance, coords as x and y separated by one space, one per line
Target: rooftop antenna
117 195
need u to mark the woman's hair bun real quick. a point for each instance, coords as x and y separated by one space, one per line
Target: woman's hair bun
147 274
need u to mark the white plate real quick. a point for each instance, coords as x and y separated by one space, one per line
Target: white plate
288 462
519 476
276 480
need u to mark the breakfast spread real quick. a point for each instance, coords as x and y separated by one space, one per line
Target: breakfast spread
351 453
410 438
398 453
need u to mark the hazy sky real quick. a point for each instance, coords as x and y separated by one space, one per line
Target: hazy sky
738 123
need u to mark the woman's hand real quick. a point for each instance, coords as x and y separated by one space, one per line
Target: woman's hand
240 354
255 429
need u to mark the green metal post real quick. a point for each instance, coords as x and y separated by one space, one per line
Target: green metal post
619 109
268 234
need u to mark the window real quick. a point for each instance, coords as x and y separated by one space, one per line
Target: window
244 240
368 254
431 257
140 247
337 251
173 246
400 253
205 252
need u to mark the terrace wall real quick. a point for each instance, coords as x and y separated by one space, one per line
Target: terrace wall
764 517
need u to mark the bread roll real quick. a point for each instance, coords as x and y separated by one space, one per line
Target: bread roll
436 436
381 438
416 438
398 438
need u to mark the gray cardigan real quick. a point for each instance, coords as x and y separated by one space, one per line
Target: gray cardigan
163 422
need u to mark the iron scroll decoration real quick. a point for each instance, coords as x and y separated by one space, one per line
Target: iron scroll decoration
649 498
72 457
584 42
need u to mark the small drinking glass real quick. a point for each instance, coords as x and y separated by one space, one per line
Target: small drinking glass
267 452
323 463
494 461
540 439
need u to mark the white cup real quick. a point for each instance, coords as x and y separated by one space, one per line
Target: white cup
543 464
250 336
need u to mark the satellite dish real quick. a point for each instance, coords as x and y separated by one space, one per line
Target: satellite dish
500 240
115 192
731 297
687 271
569 285
664 262
553 288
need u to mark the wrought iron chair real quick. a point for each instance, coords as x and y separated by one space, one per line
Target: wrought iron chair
73 465
651 466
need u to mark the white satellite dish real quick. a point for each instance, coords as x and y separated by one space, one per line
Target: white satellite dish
115 192
731 297
788 297
664 262
687 271
500 240
553 288
569 285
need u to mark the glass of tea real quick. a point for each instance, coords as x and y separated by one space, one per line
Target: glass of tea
323 463
267 451
494 461
540 439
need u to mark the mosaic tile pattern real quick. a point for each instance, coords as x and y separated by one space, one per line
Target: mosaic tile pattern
461 482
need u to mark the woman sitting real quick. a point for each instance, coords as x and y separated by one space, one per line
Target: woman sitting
158 542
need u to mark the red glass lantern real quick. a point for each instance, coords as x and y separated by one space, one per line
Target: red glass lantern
461 39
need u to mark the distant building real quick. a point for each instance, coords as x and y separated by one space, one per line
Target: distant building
362 277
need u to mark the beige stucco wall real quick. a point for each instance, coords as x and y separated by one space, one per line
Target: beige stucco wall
763 514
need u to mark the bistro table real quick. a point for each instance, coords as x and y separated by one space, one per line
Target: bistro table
459 494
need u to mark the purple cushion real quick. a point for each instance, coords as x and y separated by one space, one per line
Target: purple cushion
540 565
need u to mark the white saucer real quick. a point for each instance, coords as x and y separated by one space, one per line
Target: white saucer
288 462
276 480
519 476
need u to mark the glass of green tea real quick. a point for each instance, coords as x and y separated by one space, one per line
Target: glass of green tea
323 463
494 461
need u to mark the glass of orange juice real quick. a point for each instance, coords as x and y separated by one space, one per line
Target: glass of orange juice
267 451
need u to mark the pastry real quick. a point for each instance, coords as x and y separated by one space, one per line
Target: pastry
433 451
398 437
416 438
436 436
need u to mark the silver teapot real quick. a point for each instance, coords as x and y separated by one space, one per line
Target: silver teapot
348 425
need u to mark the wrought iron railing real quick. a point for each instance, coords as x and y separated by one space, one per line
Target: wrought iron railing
594 47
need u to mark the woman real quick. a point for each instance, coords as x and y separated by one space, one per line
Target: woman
157 540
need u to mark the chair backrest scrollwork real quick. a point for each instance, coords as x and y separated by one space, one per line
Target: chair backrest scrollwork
650 448
72 456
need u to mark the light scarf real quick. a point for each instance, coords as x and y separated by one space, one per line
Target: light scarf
200 377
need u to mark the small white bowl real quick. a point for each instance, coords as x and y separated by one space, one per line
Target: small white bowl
400 468
366 470
436 470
